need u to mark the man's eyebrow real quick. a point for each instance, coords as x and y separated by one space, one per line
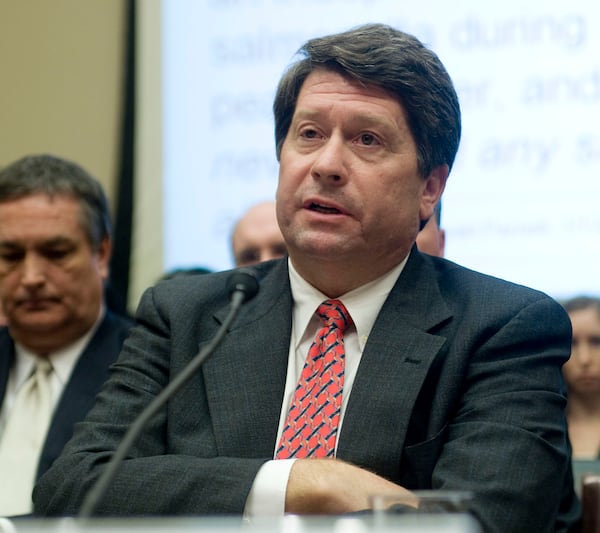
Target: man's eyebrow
373 119
56 241
358 118
307 114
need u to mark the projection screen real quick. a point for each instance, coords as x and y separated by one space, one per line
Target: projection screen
522 200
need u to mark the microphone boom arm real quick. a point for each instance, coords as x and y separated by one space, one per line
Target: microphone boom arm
94 496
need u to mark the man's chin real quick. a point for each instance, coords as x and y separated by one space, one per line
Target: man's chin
325 247
37 322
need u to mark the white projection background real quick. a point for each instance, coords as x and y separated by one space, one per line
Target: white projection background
522 200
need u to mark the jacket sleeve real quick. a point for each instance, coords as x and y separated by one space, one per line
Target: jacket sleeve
169 469
507 441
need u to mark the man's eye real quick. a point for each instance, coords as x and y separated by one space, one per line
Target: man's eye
280 249
11 257
595 341
56 254
368 139
309 133
248 256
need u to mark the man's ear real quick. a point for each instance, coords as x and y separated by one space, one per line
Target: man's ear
103 255
435 184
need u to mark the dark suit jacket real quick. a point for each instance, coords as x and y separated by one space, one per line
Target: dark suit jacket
459 387
89 373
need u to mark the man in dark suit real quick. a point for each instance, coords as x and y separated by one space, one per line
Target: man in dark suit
55 246
448 379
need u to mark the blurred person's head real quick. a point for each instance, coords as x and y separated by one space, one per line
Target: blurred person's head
55 247
582 370
432 238
256 236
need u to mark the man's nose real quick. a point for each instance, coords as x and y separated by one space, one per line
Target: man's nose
33 270
330 160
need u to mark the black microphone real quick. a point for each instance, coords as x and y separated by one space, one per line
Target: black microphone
242 286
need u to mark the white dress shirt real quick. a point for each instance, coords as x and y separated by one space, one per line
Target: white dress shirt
267 496
63 361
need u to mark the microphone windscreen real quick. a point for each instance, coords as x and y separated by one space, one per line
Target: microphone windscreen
243 280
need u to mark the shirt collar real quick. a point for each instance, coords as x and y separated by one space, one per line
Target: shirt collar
363 303
63 361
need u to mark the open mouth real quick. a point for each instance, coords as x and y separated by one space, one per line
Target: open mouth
324 209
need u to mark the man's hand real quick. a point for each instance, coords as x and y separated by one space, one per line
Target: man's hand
331 486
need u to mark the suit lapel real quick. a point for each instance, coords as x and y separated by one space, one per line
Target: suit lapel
245 377
7 358
78 396
394 364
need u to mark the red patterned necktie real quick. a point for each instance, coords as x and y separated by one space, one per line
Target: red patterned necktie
312 421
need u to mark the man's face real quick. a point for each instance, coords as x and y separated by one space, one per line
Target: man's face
349 187
257 236
51 281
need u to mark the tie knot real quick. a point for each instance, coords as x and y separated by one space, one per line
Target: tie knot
43 366
334 314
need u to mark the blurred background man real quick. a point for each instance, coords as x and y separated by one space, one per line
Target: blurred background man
256 236
55 247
